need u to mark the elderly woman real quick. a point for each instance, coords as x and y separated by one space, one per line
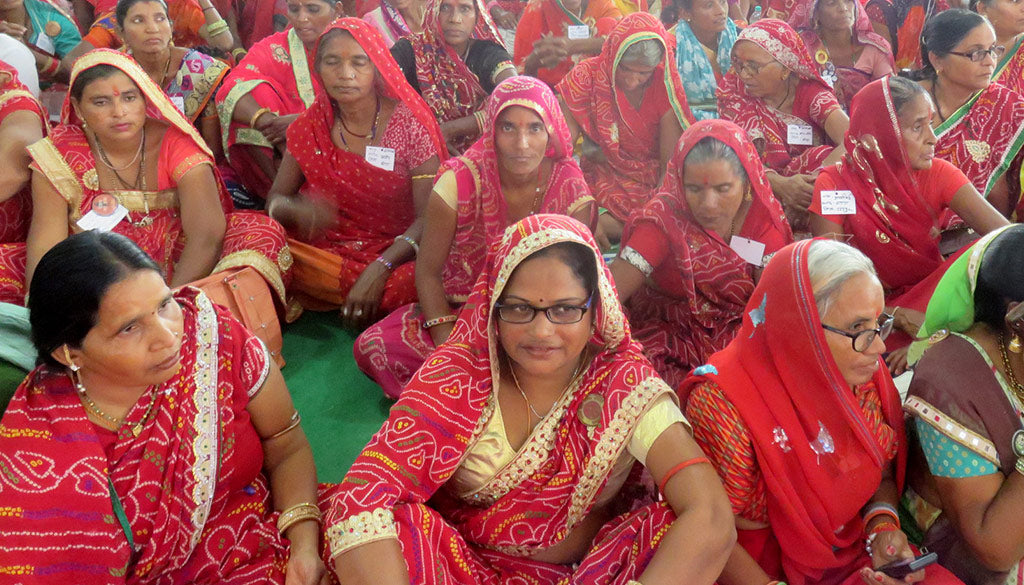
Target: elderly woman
965 398
704 36
267 90
522 165
157 436
691 256
125 159
897 191
1007 20
188 76
774 92
629 105
553 35
455 63
355 257
979 124
397 19
802 420
526 424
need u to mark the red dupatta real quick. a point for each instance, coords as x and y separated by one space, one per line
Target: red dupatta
628 137
820 460
482 211
889 201
374 205
535 501
710 280
16 212
764 123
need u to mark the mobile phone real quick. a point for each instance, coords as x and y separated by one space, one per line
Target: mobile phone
1016 314
901 569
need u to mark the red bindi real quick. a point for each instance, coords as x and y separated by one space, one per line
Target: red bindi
117 93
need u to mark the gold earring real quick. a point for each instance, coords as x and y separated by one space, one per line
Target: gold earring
747 196
71 364
1015 344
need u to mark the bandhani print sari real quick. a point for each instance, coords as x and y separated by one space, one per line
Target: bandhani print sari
488 535
389 22
1010 68
153 221
627 136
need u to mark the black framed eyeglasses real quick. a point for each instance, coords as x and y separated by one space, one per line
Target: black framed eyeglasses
978 55
862 340
522 313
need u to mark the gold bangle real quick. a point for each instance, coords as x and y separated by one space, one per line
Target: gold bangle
424 176
256 116
216 28
297 513
295 420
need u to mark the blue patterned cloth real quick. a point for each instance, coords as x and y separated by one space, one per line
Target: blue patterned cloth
695 67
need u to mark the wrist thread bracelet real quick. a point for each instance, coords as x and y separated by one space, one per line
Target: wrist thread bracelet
439 321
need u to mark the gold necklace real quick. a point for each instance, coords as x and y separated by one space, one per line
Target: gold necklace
572 380
117 422
1015 385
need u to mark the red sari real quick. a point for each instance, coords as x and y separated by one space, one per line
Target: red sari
374 205
391 350
277 72
628 136
767 126
820 454
153 222
16 212
549 18
393 491
693 302
1010 69
194 498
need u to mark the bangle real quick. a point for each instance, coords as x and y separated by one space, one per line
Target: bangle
424 176
481 120
256 116
878 509
681 466
51 67
385 262
884 527
236 51
410 241
297 513
439 321
293 424
216 28
210 7
1019 467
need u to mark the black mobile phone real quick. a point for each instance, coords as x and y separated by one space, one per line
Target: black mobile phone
901 569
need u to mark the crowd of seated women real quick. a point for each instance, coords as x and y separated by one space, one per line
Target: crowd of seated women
641 287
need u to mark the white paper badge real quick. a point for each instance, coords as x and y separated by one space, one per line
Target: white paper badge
179 102
799 134
838 203
103 223
750 250
381 157
578 31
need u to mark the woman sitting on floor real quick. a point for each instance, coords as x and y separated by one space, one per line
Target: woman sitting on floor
354 213
522 165
1007 20
704 36
157 436
630 107
397 19
888 193
526 426
544 47
803 422
692 255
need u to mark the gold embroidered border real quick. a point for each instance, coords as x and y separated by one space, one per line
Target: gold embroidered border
363 528
579 203
190 162
19 93
267 269
205 445
53 166
138 201
949 427
300 68
227 112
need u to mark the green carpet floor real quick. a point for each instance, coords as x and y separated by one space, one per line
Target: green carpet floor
341 408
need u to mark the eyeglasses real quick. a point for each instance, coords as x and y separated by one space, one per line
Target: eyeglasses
978 55
862 340
751 68
522 313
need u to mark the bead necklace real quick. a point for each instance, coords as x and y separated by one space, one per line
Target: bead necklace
117 422
372 135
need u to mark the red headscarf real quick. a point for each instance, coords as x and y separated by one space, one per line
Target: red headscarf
820 460
16 212
889 201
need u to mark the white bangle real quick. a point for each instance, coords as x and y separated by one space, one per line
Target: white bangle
410 241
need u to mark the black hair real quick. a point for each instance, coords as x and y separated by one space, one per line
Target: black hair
324 38
903 91
942 33
1000 278
579 259
69 283
123 6
670 11
90 75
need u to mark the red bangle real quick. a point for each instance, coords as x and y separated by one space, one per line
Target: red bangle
883 527
681 466
51 67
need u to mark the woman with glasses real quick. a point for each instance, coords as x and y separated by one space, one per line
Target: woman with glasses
979 124
966 399
888 193
1007 20
522 431
775 94
803 423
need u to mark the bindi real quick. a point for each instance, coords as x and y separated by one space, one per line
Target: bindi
117 93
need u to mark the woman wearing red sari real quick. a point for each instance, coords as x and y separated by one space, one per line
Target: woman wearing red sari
554 35
525 426
631 109
898 193
397 19
364 106
522 165
267 90
22 122
774 92
125 159
1007 20
802 420
156 439
684 272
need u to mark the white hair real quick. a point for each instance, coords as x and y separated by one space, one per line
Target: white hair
830 264
648 52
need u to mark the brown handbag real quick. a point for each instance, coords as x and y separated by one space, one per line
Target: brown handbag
245 293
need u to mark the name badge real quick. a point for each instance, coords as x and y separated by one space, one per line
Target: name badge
751 251
838 203
799 134
179 102
381 157
104 215
578 31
